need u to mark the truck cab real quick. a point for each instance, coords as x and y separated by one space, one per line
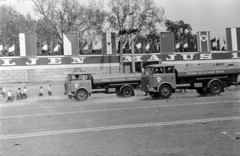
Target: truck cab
78 85
159 80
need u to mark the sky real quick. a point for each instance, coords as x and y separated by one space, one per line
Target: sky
203 15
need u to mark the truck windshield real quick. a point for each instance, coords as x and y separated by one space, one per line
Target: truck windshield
147 71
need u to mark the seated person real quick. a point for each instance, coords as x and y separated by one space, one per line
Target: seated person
155 71
161 70
158 70
77 77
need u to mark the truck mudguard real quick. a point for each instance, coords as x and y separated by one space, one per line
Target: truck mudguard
163 84
209 82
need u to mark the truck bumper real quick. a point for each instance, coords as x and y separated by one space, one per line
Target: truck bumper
148 89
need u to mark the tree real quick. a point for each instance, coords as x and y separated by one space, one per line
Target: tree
12 23
182 34
64 16
146 16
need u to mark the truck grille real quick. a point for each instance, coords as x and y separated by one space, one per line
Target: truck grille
144 82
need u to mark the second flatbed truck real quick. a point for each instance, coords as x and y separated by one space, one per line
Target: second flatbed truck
162 80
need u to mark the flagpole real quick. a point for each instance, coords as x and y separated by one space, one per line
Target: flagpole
121 55
132 40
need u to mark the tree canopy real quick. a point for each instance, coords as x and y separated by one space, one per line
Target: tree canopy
146 15
64 16
182 33
12 23
89 20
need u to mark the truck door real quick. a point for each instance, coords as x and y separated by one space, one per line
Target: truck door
87 83
170 76
158 76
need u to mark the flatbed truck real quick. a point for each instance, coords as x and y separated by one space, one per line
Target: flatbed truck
161 80
80 85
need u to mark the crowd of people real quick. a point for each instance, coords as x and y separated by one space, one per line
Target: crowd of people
22 94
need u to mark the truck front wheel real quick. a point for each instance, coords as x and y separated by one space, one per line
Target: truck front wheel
165 91
127 92
81 95
215 88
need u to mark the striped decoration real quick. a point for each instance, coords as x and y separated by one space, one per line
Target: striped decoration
233 39
70 44
167 43
27 43
203 39
109 43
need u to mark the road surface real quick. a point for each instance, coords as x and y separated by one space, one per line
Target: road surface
184 125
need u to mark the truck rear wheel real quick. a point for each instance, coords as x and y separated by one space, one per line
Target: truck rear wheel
127 92
215 88
81 95
165 91
202 92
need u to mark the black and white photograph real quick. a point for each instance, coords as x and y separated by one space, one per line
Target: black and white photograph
119 78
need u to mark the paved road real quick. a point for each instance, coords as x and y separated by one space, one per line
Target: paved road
185 125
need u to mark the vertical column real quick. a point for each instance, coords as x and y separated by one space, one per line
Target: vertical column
203 40
233 39
167 43
109 43
70 44
27 43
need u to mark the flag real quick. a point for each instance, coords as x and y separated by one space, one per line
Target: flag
11 49
85 47
203 38
28 46
233 39
44 46
147 47
97 46
90 47
214 44
185 45
158 45
51 49
56 48
218 44
213 40
224 44
117 44
139 45
109 43
1 49
130 43
177 45
6 47
167 42
124 44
